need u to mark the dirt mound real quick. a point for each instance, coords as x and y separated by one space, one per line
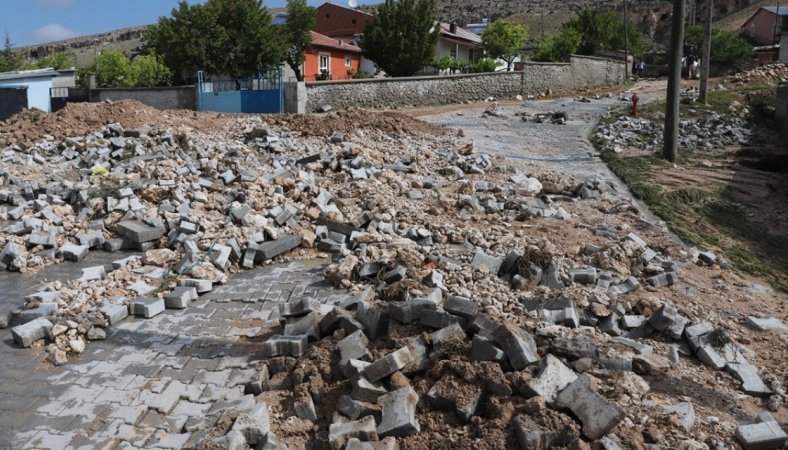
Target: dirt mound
77 119
345 121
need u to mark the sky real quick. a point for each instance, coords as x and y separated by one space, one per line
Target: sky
29 22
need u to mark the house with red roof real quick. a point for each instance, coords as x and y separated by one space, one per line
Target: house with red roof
331 58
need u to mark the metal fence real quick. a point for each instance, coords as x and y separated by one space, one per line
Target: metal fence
261 94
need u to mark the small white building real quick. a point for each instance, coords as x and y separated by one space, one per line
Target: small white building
37 83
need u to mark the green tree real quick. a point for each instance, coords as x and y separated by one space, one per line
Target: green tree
298 33
57 61
149 70
726 47
504 40
9 60
232 37
557 47
605 30
402 37
113 69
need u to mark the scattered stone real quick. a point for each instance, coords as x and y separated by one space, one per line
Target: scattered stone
398 413
597 414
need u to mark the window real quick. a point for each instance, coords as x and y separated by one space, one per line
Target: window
348 61
325 63
354 21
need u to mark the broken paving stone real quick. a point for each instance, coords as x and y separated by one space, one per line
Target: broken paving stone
355 408
451 334
410 311
765 324
305 408
138 231
460 306
388 443
533 436
71 252
597 414
398 416
583 276
761 436
751 382
180 297
353 346
279 345
202 286
363 429
663 279
649 364
24 335
146 307
115 313
484 350
685 411
389 364
518 345
482 261
552 378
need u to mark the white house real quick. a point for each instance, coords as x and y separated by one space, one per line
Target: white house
37 83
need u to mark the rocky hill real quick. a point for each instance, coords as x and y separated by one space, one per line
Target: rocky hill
653 16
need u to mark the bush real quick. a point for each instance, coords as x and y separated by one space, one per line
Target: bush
604 30
358 75
726 47
484 65
557 47
149 70
443 63
113 69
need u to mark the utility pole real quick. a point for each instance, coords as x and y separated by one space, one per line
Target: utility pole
671 135
626 44
706 58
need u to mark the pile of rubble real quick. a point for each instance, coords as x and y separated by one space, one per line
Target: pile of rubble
765 74
492 325
713 131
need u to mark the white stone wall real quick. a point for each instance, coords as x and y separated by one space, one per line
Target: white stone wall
581 73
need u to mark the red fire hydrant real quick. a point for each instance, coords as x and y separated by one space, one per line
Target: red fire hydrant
635 99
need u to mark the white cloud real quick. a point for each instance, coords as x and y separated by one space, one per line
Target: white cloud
55 2
52 32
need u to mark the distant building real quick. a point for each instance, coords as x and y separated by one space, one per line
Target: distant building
25 89
764 27
334 20
458 42
332 56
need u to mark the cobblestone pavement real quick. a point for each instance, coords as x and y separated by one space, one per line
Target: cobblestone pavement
151 379
559 148
564 148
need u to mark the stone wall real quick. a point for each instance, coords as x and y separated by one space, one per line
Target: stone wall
581 73
179 97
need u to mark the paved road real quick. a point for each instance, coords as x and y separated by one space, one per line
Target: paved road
141 386
559 148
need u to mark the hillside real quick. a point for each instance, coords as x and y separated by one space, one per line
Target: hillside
652 16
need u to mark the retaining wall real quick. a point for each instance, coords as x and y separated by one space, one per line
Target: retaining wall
582 72
177 97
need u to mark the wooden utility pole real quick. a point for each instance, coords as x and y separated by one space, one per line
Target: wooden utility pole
705 60
626 44
671 135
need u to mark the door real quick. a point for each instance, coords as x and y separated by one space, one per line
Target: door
12 100
324 66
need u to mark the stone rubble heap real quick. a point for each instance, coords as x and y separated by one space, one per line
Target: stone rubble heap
440 318
769 73
711 132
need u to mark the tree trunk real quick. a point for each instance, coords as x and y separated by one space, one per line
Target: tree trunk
671 135
706 59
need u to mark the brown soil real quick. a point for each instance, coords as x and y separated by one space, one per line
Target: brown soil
345 121
77 119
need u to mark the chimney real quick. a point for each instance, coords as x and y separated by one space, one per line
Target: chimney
453 28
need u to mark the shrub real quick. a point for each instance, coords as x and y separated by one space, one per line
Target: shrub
726 47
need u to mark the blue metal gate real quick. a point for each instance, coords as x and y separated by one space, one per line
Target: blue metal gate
263 94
